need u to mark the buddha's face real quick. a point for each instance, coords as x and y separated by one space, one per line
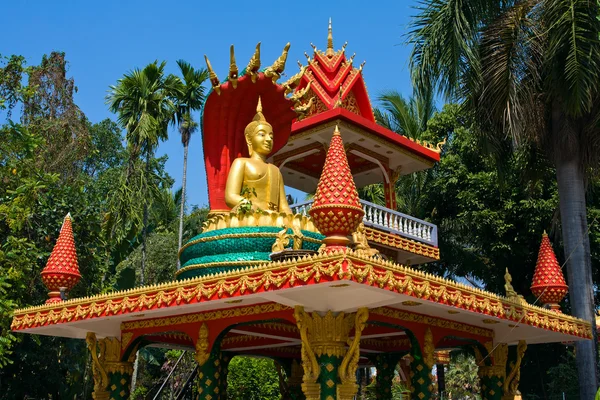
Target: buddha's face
262 140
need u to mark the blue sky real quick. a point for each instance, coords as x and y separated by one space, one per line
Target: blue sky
104 39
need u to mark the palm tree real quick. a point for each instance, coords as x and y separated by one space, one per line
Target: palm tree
408 118
144 107
188 97
528 70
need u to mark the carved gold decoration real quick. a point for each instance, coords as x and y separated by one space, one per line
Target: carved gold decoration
344 265
411 303
202 346
256 218
347 370
300 93
282 240
205 316
361 244
106 360
511 383
233 69
293 82
126 338
302 109
212 76
428 348
275 70
312 369
499 354
254 64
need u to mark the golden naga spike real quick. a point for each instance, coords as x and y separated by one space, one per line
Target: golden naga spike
361 66
299 64
293 82
233 69
351 58
275 70
214 79
300 93
303 109
254 64
307 57
338 103
329 51
344 46
313 46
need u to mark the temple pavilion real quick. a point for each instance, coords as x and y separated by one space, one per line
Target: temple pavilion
323 287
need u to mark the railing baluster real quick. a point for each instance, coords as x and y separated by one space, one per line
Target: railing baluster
388 220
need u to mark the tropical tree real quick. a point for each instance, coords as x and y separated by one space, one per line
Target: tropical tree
188 97
408 117
529 70
143 101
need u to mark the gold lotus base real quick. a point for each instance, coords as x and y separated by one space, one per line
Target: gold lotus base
223 220
312 391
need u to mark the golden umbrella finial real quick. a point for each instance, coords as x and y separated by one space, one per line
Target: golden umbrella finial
254 64
329 41
233 69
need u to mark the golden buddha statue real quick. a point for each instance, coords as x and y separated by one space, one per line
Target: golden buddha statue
252 183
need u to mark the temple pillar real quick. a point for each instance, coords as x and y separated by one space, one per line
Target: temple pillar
389 188
112 377
513 375
213 367
422 362
492 371
386 368
442 358
330 368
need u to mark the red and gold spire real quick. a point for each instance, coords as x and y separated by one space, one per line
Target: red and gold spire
62 270
548 281
336 211
335 82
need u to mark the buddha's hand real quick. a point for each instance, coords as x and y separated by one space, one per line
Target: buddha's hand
243 206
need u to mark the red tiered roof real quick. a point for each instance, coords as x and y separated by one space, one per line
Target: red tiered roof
62 269
336 210
548 280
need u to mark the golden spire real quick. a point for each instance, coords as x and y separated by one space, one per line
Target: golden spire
233 69
336 132
329 51
254 64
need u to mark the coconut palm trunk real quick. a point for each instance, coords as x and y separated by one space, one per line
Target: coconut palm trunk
145 221
571 190
186 145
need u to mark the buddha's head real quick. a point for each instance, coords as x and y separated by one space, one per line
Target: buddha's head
259 134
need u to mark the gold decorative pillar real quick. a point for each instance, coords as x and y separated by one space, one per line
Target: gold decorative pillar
112 377
330 368
511 382
492 371
213 367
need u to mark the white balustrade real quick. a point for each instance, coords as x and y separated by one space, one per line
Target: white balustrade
389 220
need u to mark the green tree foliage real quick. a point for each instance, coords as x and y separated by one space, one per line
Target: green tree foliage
462 381
252 379
54 161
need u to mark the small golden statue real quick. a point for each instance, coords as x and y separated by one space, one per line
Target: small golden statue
361 243
252 183
510 291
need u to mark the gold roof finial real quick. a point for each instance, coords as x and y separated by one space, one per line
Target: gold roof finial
336 132
329 41
233 69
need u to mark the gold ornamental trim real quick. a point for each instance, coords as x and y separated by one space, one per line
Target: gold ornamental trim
246 263
432 321
339 265
402 243
205 316
257 218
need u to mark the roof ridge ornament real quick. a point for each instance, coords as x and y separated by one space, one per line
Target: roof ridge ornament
329 52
